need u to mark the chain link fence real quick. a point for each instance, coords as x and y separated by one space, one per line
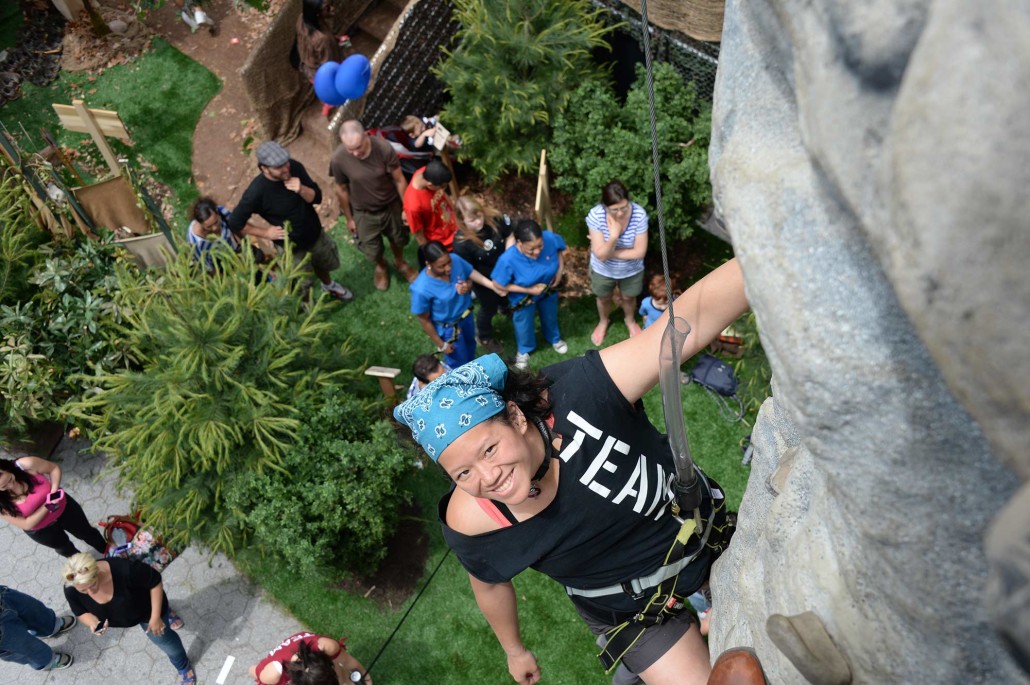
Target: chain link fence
405 84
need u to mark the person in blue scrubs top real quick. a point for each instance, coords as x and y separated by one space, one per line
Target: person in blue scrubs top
530 270
441 298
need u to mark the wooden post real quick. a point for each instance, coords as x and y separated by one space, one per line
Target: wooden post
542 206
96 135
385 376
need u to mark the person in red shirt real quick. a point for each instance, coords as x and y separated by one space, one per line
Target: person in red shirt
429 211
310 659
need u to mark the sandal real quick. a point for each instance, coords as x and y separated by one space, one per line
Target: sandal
175 621
633 327
187 676
597 337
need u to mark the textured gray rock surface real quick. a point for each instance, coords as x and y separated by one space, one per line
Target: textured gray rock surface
870 161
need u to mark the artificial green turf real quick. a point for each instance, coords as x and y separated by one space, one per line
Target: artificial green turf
11 19
159 97
446 639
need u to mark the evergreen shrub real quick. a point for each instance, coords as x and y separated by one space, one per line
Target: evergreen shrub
512 71
336 502
226 362
597 139
67 328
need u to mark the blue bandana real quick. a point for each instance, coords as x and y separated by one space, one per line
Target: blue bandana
455 402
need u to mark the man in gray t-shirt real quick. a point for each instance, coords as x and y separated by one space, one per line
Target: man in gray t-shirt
370 185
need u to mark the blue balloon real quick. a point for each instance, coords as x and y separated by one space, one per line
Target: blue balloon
353 76
325 84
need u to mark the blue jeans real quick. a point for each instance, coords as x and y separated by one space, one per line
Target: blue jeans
22 618
523 319
169 643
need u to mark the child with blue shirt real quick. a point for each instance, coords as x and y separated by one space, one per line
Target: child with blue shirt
654 306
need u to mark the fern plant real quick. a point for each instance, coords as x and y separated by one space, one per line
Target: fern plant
225 362
513 70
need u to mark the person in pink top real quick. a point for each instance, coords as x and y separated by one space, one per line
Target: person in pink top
310 659
31 498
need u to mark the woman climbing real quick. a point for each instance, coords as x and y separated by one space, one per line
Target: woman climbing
564 473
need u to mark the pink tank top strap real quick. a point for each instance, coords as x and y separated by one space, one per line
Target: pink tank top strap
493 512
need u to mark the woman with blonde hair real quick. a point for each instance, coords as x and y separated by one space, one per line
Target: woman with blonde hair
484 233
118 593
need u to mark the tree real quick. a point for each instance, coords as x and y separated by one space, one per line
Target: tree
596 140
226 360
512 72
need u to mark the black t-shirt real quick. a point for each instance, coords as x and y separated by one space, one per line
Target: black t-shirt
610 521
130 605
493 236
276 204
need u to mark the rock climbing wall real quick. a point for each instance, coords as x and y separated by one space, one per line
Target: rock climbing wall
871 162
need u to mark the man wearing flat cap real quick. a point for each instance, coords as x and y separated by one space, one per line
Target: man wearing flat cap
427 207
284 192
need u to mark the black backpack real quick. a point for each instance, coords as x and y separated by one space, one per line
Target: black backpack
717 378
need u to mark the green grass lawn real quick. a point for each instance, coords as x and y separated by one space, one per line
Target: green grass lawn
445 634
159 97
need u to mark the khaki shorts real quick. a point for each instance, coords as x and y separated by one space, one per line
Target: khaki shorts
372 226
602 286
325 256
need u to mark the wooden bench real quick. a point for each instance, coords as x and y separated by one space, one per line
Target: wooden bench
386 376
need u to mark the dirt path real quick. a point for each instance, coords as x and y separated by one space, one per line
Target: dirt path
221 168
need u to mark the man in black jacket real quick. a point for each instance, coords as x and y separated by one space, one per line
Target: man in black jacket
284 192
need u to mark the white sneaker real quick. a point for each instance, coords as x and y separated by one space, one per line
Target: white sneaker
561 347
200 16
521 360
338 291
188 20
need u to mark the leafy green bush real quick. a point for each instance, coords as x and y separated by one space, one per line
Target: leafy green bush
510 75
335 503
226 363
19 235
596 140
67 328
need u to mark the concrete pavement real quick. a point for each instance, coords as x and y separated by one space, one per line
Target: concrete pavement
225 615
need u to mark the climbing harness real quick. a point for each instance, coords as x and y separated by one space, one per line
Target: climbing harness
709 528
455 330
531 299
699 504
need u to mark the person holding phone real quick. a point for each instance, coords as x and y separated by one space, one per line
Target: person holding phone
118 593
31 498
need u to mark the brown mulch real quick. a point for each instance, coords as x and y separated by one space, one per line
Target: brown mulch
85 51
404 565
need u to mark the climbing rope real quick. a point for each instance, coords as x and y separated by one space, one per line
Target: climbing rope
645 32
